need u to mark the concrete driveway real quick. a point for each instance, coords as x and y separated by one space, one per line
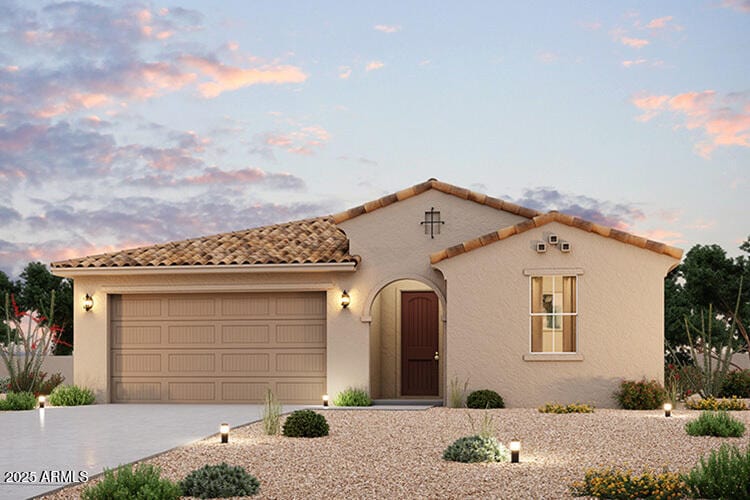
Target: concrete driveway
89 438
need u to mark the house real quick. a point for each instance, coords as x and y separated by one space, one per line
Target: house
400 295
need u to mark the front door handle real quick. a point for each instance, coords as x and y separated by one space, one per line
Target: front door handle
437 356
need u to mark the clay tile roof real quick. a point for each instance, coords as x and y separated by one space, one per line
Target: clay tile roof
439 186
310 241
553 216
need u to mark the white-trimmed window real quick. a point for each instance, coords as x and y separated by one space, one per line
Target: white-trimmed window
554 310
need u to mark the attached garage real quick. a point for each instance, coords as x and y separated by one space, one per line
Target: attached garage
218 348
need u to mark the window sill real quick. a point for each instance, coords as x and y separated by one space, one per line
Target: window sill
544 356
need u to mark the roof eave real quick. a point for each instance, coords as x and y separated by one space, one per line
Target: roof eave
73 272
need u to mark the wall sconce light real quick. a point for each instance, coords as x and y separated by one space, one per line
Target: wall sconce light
224 430
515 451
667 409
345 299
325 399
42 401
88 302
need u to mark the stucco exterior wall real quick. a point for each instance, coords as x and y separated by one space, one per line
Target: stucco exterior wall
620 318
51 365
390 241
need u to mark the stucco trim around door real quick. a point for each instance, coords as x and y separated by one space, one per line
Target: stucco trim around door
366 316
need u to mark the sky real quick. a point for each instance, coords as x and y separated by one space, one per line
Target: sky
124 124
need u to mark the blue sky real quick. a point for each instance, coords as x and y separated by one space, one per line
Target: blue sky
123 124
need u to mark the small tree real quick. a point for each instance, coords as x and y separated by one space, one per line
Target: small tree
715 351
31 336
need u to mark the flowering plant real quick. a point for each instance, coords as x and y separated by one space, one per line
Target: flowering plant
31 336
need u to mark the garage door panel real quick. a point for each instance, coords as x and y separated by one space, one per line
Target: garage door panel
187 334
245 391
245 334
293 390
191 391
310 333
137 391
218 347
300 363
137 363
136 308
191 307
184 363
246 362
134 334
247 306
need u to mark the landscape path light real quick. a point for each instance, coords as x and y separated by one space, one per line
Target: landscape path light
667 409
515 450
224 430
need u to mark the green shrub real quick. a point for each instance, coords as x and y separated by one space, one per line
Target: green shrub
271 414
618 484
305 423
142 483
713 404
736 383
571 408
484 398
219 481
641 395
18 401
724 474
352 397
71 395
476 449
719 424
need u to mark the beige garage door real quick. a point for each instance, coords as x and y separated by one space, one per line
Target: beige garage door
218 348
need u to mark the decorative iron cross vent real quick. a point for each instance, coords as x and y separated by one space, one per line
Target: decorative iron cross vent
432 221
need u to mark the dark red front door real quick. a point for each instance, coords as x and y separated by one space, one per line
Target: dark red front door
419 344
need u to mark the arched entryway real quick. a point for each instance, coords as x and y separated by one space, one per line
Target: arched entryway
406 341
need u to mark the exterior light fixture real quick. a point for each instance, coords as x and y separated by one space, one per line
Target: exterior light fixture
515 450
667 409
345 299
224 430
325 399
42 401
88 302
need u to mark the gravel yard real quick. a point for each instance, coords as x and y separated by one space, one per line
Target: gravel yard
398 454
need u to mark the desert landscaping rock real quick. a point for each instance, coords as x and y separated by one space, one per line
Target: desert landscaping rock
397 454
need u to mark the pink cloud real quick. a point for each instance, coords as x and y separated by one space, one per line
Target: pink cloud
650 104
664 236
659 22
722 123
345 72
636 43
227 78
634 62
386 28
303 141
73 102
373 65
740 5
215 175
